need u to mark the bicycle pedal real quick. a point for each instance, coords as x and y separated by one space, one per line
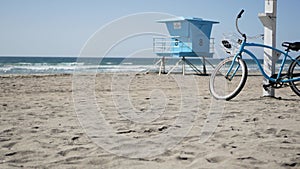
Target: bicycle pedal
286 85
266 86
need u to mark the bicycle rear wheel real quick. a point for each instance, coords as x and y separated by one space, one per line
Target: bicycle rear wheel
294 72
224 85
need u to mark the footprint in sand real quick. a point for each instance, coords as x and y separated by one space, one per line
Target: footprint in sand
186 156
271 131
215 159
9 145
283 133
75 149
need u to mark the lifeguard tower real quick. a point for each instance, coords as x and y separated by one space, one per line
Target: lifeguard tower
189 37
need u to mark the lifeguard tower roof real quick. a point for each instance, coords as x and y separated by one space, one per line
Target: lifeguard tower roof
181 18
197 22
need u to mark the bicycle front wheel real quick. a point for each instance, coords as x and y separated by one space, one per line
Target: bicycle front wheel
224 83
294 72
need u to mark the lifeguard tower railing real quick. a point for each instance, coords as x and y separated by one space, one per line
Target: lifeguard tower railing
178 46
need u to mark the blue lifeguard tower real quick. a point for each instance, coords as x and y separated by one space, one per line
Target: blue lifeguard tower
189 37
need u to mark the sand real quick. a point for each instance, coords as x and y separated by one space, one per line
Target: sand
154 122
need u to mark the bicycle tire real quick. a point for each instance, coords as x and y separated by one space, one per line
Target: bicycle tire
294 71
220 86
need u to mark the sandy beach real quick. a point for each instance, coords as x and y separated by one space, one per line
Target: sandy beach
39 126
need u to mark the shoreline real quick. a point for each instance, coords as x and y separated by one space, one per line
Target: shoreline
250 73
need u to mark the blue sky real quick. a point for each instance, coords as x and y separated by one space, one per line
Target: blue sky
61 27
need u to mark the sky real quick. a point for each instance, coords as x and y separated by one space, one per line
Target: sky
62 27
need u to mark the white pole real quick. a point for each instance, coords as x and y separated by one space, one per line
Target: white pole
269 21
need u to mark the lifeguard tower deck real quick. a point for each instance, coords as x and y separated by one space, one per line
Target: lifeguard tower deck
189 37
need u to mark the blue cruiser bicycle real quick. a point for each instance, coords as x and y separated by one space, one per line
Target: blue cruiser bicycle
230 75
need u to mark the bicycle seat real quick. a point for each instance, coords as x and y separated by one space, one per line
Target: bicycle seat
292 46
226 44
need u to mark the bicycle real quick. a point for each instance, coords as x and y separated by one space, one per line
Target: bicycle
230 75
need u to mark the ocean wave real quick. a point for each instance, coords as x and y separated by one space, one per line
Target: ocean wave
50 69
61 65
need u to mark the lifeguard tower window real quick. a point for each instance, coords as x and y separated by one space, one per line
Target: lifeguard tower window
189 37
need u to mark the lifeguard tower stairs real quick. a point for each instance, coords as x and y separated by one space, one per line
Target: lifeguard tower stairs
189 37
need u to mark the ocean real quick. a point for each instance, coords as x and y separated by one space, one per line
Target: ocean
67 65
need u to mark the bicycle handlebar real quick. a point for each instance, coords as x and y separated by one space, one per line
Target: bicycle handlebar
237 26
241 13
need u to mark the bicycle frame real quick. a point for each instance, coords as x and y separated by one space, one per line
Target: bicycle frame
277 79
235 66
